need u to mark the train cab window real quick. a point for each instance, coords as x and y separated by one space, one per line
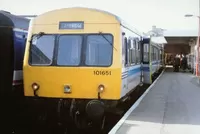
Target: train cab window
41 50
99 50
69 50
146 52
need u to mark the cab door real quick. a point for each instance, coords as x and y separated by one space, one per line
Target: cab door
124 85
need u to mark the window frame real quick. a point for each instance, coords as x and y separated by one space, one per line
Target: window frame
57 46
148 55
83 51
85 48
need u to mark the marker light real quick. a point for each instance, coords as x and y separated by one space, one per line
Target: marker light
67 89
35 86
101 88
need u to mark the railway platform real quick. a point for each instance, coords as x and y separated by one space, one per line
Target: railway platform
171 105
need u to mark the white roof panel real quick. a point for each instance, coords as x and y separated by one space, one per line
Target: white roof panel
158 40
181 33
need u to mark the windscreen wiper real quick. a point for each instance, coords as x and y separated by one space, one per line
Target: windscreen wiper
100 33
37 36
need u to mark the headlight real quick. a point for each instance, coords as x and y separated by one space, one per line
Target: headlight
35 86
101 88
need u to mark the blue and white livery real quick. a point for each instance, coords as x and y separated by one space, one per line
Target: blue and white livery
131 60
153 50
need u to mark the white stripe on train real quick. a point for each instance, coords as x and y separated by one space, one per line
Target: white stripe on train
17 77
20 30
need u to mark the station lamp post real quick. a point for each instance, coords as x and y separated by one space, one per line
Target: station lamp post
198 51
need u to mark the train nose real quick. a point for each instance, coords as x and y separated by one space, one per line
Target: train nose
95 109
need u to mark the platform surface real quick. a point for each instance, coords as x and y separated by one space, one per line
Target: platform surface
172 106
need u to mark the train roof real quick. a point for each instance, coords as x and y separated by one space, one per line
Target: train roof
117 18
121 21
9 20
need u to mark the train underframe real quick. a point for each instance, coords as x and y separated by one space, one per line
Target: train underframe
81 113
156 74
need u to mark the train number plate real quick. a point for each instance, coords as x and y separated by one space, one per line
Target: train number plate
99 72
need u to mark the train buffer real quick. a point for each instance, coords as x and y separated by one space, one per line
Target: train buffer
171 105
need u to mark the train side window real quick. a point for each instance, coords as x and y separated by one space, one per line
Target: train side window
157 55
146 52
134 61
152 52
126 51
160 55
135 48
138 51
130 51
155 52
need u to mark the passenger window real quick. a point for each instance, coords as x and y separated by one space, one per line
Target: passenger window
155 52
146 52
134 52
137 52
139 57
126 51
152 53
130 51
157 55
160 55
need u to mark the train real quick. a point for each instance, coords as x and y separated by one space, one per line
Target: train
153 61
13 34
87 60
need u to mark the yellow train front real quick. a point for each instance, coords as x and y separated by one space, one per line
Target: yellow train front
76 54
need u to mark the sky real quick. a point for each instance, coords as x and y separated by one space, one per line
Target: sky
141 14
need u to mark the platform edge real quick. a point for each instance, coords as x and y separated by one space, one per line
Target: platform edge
121 121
